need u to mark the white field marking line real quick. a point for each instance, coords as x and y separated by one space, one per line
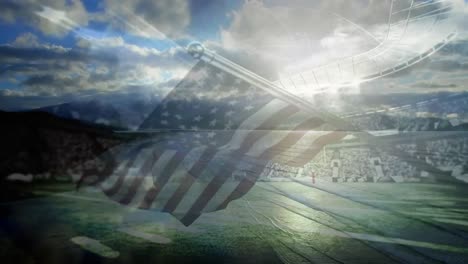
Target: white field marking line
452 221
390 240
383 239
436 214
65 195
145 236
393 240
79 197
349 210
95 247
461 210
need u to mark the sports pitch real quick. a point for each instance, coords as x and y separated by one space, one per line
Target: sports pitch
276 222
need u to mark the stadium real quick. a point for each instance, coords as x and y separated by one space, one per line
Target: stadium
183 131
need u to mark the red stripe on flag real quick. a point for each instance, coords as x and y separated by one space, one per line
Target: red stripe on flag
219 180
316 147
162 179
189 179
120 180
246 184
251 138
144 171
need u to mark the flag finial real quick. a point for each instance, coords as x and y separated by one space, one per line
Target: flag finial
196 49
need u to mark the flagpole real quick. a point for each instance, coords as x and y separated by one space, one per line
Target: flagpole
198 51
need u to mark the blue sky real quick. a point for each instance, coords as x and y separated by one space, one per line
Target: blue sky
55 51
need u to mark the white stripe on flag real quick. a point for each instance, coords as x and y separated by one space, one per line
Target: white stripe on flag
254 121
190 197
140 193
112 179
263 143
142 156
252 169
221 195
162 162
305 144
149 179
267 141
175 179
275 136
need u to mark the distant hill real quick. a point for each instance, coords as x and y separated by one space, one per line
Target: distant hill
93 111
124 112
41 143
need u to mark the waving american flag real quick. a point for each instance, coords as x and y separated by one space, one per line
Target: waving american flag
213 136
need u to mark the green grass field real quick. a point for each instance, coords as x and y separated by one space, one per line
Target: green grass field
278 222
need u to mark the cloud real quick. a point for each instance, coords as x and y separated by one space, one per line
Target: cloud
27 46
105 65
431 85
445 70
132 53
449 65
287 33
258 64
28 11
298 36
50 69
150 19
265 37
26 40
